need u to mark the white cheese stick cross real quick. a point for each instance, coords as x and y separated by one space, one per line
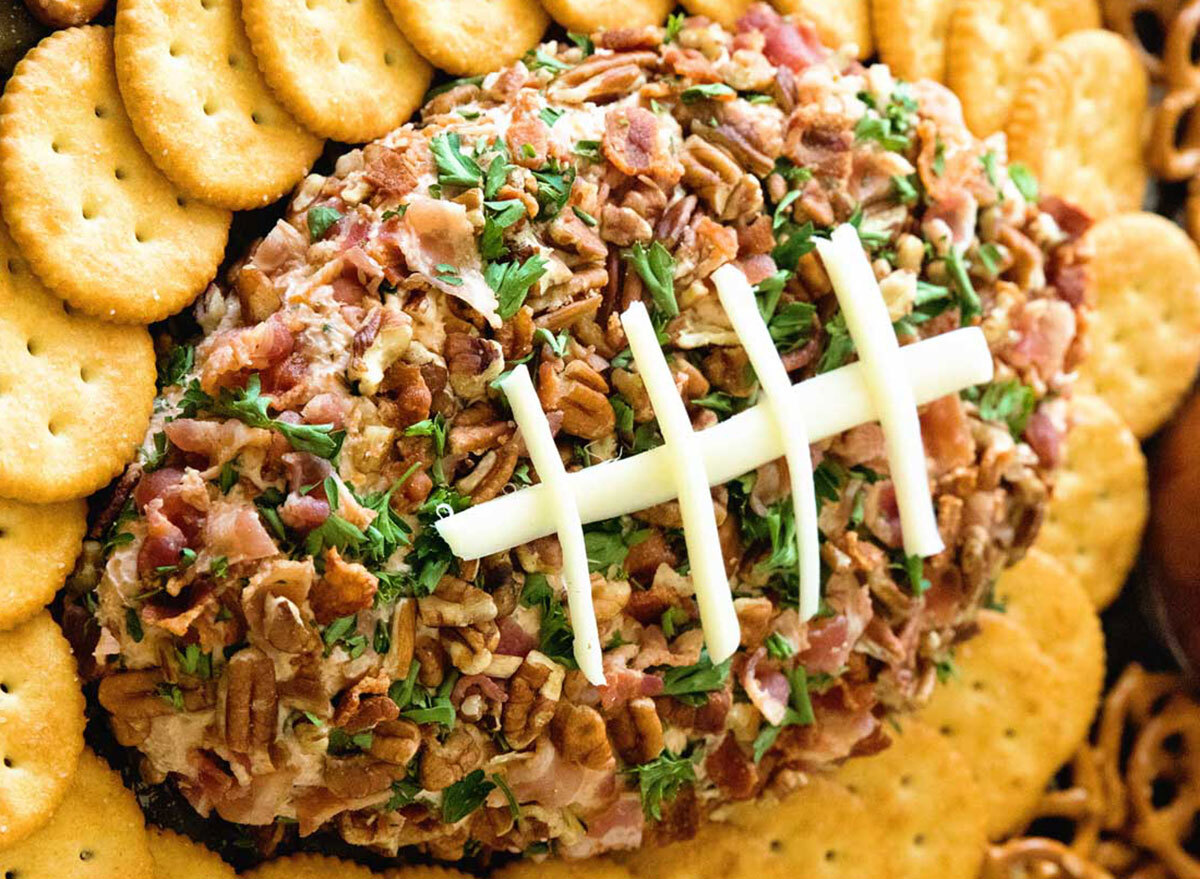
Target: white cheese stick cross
539 441
895 404
831 403
717 616
737 296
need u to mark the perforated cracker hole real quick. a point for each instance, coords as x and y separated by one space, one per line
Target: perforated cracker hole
830 856
257 117
55 146
33 346
181 201
8 763
776 845
174 51
54 428
88 212
120 173
100 110
343 54
139 236
389 57
4 688
209 108
85 374
86 854
919 839
1010 733
234 61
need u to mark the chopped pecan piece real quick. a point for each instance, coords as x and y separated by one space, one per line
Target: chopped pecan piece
132 699
444 763
365 704
473 364
581 394
729 189
533 695
346 588
360 776
251 703
396 741
456 603
579 734
637 731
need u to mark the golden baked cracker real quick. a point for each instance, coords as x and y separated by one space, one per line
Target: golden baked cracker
725 12
95 218
178 857
1000 710
593 868
421 871
1144 335
1098 511
837 21
991 43
200 106
38 546
1077 122
925 805
97 833
469 37
308 867
822 831
343 69
586 16
41 728
65 13
1046 599
75 392
1192 210
912 36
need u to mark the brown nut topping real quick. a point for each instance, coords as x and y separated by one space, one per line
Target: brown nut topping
473 363
533 695
580 393
404 639
346 588
637 731
444 763
456 603
132 699
365 704
359 776
579 734
396 741
471 647
250 705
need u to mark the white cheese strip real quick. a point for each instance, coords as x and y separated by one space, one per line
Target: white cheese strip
829 404
686 466
737 296
539 441
892 397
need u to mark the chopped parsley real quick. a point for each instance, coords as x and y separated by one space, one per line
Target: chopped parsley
690 684
839 346
967 297
583 42
660 780
799 712
320 219
342 742
435 429
792 326
454 167
656 267
498 216
707 91
512 282
554 188
675 23
1024 180
550 115
1011 402
176 366
465 796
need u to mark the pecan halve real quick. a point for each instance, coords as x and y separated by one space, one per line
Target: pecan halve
533 695
637 731
579 734
251 704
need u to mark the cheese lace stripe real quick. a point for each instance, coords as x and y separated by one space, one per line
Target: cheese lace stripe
721 630
737 296
539 441
893 400
830 404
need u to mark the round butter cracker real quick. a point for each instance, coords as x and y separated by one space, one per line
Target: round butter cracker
1077 122
926 808
586 16
343 69
991 43
822 831
308 867
839 22
38 547
200 106
912 36
101 226
471 37
179 857
75 393
725 12
41 733
97 833
1000 710
1144 279
1046 599
1098 510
